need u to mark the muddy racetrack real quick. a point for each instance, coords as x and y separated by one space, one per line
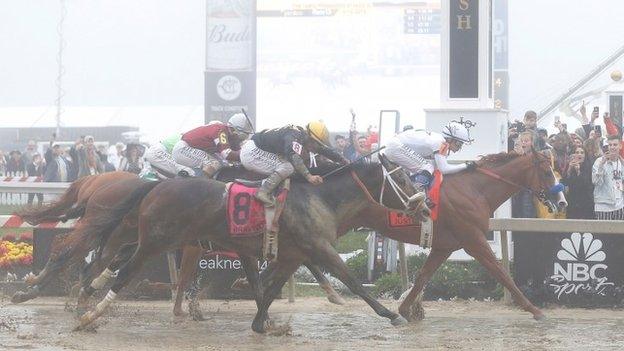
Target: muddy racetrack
44 324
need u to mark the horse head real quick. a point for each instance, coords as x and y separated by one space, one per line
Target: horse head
543 183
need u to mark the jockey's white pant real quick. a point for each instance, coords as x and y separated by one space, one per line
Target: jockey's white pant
161 161
194 158
402 155
255 159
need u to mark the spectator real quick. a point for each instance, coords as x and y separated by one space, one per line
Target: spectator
592 150
607 180
522 205
613 129
86 157
529 124
58 167
36 168
341 144
16 163
524 142
3 163
542 140
587 124
561 145
358 145
578 179
116 156
133 160
31 150
108 167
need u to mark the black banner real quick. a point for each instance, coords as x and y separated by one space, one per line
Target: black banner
464 49
501 54
577 270
230 77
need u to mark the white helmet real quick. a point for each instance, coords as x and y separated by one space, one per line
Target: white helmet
240 123
457 131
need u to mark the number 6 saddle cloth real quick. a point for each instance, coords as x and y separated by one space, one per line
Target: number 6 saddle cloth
245 214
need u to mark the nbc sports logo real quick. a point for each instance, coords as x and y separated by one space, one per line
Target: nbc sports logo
579 266
584 248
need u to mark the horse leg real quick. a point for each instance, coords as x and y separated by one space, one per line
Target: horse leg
411 307
188 269
124 276
326 255
125 253
483 253
55 264
324 283
250 265
192 295
276 279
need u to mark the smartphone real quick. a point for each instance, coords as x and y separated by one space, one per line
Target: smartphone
598 129
596 110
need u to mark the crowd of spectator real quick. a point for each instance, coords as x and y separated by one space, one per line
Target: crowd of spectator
587 162
66 163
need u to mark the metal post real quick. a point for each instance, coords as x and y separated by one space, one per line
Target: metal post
403 267
291 289
505 256
173 274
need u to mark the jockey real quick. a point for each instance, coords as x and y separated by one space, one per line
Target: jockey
160 160
279 153
207 147
420 152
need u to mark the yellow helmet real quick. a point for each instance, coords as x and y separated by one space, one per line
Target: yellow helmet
318 131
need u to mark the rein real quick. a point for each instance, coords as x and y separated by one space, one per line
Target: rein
387 177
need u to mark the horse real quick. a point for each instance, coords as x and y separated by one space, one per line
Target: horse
73 201
70 247
309 224
467 201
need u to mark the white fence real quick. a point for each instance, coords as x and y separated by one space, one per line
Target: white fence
15 187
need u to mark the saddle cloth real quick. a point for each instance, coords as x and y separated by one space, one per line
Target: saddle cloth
246 214
397 219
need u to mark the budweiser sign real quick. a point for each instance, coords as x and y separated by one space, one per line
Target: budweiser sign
228 37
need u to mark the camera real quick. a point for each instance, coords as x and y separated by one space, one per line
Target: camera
519 126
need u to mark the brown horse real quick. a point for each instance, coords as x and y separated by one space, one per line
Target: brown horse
308 225
73 246
72 203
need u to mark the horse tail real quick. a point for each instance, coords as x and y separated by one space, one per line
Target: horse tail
104 225
56 210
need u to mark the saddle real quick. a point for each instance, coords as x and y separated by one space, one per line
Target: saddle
248 217
249 183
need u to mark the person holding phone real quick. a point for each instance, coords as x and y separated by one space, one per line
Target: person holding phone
580 190
607 180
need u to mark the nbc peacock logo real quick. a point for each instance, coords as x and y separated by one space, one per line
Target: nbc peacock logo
579 266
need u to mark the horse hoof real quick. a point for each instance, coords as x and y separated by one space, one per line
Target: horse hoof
178 312
20 297
539 316
258 327
336 299
398 321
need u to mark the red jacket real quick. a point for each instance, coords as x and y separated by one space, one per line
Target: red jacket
612 129
212 138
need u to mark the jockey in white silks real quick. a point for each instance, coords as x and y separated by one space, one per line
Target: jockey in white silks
421 152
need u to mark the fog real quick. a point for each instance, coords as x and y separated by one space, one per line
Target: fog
141 62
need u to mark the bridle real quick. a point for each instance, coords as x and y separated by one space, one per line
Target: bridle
405 199
540 194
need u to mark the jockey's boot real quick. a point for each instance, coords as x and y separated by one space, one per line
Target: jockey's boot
421 188
210 170
265 191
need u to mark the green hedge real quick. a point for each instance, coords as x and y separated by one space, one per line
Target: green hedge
453 279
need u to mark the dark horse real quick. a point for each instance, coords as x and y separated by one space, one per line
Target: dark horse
309 223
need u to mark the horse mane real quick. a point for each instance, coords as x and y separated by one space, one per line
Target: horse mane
325 168
493 160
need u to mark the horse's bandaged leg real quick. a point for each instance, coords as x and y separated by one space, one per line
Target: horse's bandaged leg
426 233
102 279
103 305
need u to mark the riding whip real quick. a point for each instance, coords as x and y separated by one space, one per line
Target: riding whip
354 161
248 120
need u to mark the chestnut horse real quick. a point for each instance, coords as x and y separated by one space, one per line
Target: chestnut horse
72 203
467 201
73 246
309 223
